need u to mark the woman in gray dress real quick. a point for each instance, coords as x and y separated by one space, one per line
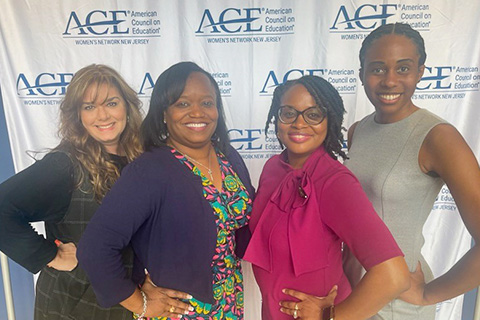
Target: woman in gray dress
403 155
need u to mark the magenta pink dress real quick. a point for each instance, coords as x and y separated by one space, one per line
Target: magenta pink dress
300 220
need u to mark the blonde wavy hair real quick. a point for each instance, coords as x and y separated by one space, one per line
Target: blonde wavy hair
93 162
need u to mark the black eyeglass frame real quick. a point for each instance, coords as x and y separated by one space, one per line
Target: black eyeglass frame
308 121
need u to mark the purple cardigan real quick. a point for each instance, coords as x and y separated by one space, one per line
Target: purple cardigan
157 205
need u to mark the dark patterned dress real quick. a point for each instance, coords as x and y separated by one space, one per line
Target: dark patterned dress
46 191
231 207
62 295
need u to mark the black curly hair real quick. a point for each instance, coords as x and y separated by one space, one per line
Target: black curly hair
398 28
325 95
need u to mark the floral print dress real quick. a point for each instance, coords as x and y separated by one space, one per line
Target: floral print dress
231 206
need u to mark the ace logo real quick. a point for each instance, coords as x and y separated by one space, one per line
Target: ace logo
230 20
97 23
274 80
436 78
43 85
365 17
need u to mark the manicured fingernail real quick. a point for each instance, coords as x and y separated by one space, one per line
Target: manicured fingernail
283 290
190 308
189 296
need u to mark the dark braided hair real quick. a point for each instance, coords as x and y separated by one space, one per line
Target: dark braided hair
325 95
403 29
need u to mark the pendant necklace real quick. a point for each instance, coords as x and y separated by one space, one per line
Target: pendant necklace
209 161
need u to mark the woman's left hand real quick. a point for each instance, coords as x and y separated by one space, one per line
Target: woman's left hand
309 307
416 294
66 257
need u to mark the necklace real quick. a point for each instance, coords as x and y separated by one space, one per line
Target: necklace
208 168
210 173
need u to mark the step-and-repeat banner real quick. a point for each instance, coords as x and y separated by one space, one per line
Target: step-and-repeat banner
249 47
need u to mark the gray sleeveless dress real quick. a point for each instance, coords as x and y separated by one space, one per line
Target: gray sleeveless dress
384 157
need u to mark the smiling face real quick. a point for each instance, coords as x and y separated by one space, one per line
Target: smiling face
390 75
300 138
192 119
104 115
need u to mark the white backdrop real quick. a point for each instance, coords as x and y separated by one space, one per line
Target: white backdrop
249 47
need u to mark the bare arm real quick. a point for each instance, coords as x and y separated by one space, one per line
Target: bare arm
371 293
366 299
445 153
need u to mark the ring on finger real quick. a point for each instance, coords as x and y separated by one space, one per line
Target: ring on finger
295 314
172 309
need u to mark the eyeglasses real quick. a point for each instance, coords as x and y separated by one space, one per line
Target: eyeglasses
312 116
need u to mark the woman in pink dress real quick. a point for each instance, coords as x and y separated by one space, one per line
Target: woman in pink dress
308 204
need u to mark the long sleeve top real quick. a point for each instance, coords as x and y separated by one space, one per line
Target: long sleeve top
299 221
41 192
158 207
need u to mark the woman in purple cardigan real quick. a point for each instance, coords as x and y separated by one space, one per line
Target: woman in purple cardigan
183 206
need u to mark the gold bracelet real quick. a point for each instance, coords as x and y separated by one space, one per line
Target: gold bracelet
142 315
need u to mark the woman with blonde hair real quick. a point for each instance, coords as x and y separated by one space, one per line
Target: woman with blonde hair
100 120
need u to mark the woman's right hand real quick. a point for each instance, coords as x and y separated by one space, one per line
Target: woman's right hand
416 294
307 307
163 302
66 258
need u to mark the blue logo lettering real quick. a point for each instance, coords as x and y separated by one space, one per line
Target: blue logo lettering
45 84
97 22
230 20
272 79
435 78
365 13
147 83
247 137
